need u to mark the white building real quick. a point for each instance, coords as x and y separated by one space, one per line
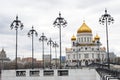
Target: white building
85 48
3 56
112 57
47 59
3 59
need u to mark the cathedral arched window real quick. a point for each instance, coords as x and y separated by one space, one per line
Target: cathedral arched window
81 39
92 49
86 56
92 55
97 49
79 49
73 43
84 39
103 56
68 56
73 56
73 49
98 56
87 39
79 56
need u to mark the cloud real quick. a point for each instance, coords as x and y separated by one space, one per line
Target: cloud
42 13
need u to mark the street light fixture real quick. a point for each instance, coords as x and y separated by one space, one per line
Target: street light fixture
16 24
59 22
55 45
43 38
50 42
106 19
31 33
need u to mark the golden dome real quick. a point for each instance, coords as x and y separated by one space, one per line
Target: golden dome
93 41
97 37
84 29
73 38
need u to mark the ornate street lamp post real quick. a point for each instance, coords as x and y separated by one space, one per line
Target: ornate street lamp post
55 45
31 33
43 38
106 19
59 22
16 24
50 42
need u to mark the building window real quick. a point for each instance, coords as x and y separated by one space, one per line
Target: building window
92 49
73 56
98 56
79 49
103 56
84 39
73 49
79 56
81 39
73 43
90 39
97 49
68 56
86 55
87 39
89 47
92 55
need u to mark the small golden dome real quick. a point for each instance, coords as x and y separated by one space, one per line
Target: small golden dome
97 37
73 38
84 29
93 40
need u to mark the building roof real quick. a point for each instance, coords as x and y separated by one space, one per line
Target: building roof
84 29
97 37
73 38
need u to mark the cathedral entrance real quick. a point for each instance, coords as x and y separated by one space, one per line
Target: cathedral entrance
86 63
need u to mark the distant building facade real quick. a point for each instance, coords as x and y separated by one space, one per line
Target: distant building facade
3 56
3 59
63 59
85 49
28 60
112 57
47 58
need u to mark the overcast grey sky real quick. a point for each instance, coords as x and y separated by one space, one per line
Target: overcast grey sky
42 13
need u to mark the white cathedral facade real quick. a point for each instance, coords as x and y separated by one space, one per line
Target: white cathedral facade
85 49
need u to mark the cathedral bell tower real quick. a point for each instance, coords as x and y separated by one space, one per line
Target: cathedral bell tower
73 40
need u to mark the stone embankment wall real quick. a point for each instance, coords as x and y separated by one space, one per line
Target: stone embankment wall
57 74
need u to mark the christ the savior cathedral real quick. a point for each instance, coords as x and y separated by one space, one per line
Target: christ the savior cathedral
85 49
